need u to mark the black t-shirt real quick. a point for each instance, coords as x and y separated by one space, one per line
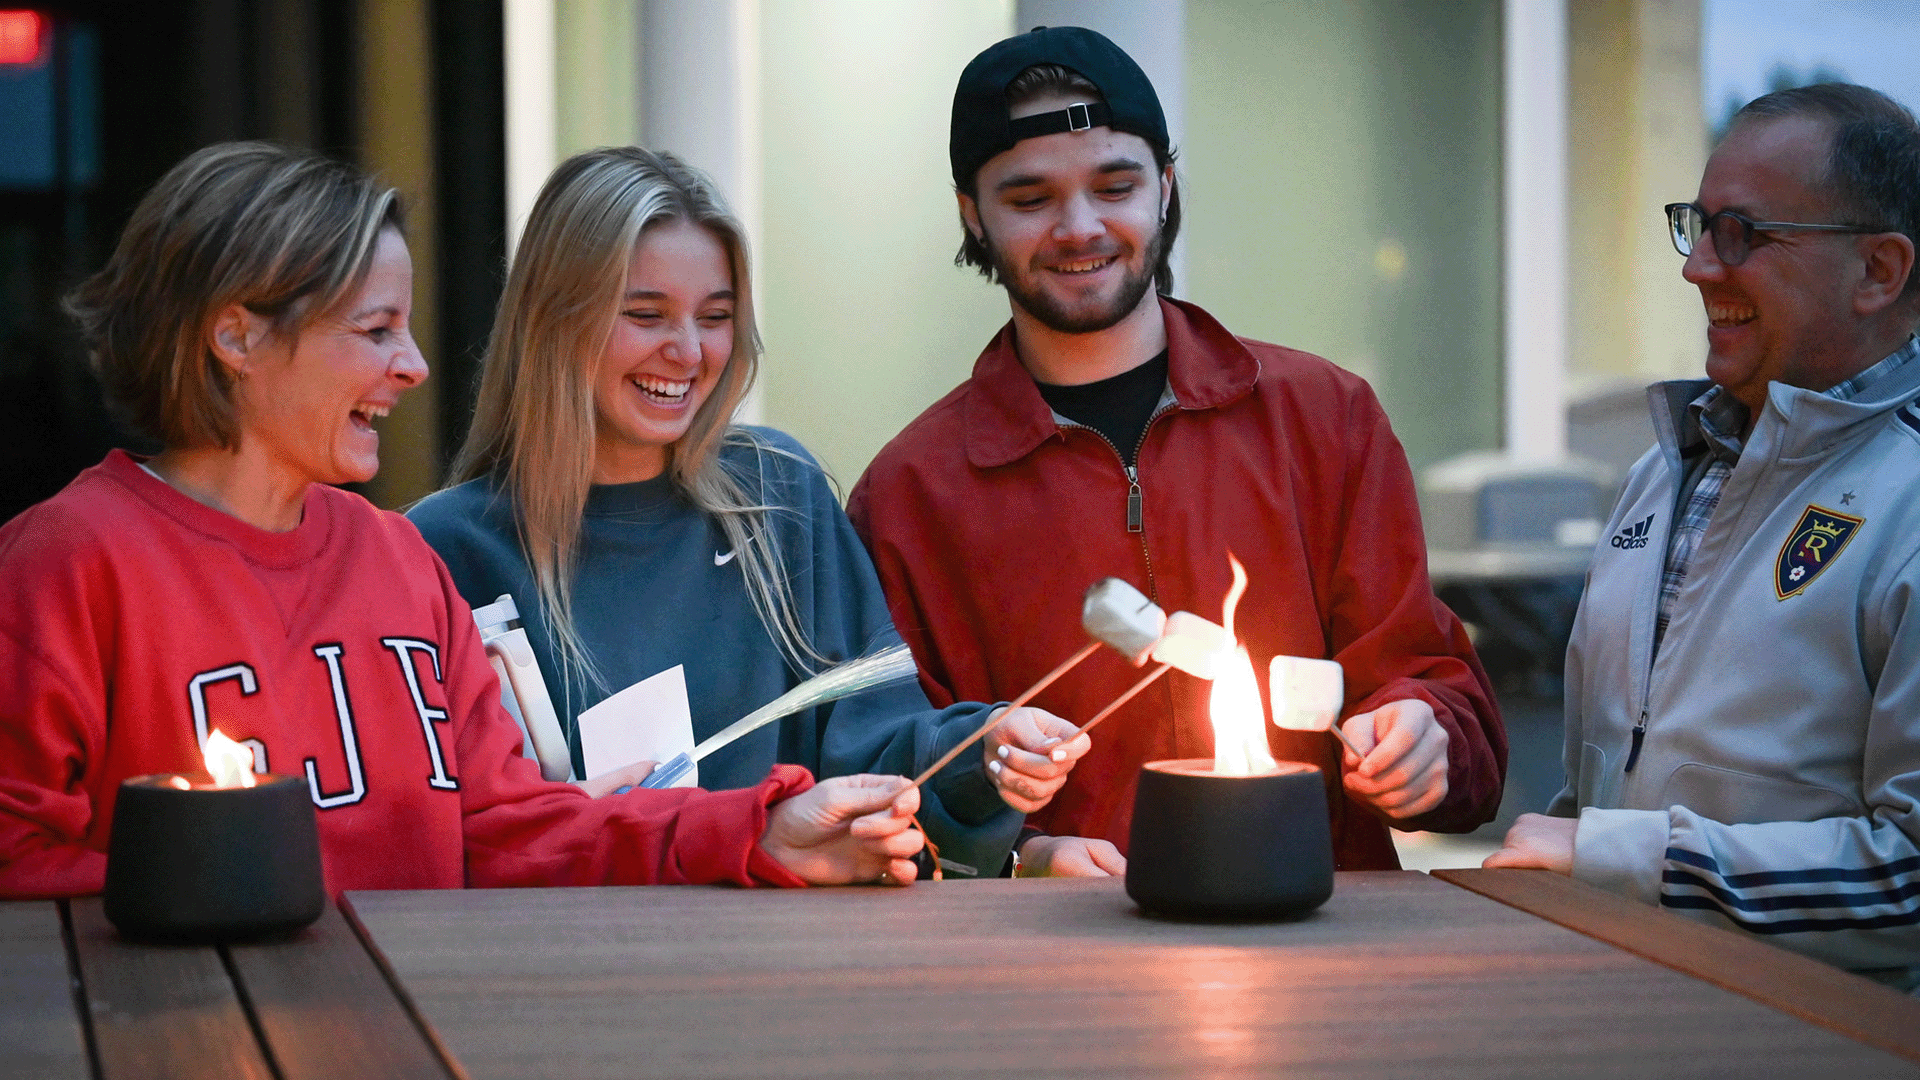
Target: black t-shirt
1117 408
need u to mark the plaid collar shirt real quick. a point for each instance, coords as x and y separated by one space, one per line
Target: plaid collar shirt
1722 422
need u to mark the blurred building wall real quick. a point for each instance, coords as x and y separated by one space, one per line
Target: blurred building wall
595 74
866 319
1639 141
1343 170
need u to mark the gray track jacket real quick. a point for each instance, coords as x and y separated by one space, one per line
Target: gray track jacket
1777 783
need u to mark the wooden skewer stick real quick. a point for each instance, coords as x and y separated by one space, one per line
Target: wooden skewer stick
1342 736
993 721
1132 691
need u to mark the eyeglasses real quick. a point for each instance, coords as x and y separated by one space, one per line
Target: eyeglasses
1732 233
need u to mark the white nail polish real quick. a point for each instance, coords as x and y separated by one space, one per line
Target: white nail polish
994 766
1059 755
1003 751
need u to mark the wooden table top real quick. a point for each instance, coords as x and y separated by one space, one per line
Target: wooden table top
1400 974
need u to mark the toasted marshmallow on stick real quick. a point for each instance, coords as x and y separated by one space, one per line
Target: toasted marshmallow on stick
1115 614
1118 615
1307 695
1189 643
1193 645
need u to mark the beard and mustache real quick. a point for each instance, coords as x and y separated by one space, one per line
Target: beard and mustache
1049 311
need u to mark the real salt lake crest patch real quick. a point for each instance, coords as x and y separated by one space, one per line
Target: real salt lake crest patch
1811 547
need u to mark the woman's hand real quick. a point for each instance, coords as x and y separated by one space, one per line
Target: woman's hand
1027 759
1070 856
847 829
609 782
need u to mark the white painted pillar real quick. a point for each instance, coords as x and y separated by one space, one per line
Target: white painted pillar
1534 228
532 120
700 100
1154 33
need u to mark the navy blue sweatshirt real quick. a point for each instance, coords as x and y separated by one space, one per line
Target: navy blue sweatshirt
656 587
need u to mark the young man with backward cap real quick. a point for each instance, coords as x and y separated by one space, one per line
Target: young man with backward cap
1743 694
1109 430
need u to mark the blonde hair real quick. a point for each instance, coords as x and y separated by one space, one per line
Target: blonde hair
535 418
286 233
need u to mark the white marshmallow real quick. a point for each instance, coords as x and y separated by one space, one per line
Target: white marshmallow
1193 645
1307 694
1116 614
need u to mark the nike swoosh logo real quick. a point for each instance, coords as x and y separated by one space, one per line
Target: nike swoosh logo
722 560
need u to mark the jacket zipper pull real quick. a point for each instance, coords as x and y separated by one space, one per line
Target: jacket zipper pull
1639 736
1133 500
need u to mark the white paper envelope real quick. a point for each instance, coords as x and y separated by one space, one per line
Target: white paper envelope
1307 694
648 721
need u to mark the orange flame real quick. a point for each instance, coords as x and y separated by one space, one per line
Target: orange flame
1239 720
230 763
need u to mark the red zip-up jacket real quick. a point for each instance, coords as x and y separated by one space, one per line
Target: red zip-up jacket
987 520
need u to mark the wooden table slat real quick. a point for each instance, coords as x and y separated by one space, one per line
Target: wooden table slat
40 1037
161 1010
327 1011
1819 993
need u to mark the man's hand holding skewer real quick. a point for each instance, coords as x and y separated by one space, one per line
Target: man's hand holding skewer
1029 755
1403 772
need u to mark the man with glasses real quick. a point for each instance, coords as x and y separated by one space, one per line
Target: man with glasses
1743 695
1110 430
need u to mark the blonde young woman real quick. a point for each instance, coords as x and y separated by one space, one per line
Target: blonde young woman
604 487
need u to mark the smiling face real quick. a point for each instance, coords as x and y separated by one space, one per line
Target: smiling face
1786 314
309 404
670 342
1073 221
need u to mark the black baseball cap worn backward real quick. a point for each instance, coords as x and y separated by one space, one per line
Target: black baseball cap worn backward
982 127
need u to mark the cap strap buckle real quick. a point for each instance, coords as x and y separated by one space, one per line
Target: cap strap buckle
1079 116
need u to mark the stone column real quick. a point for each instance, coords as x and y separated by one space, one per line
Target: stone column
1534 227
700 99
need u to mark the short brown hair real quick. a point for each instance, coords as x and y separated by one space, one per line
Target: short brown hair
286 233
1873 167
